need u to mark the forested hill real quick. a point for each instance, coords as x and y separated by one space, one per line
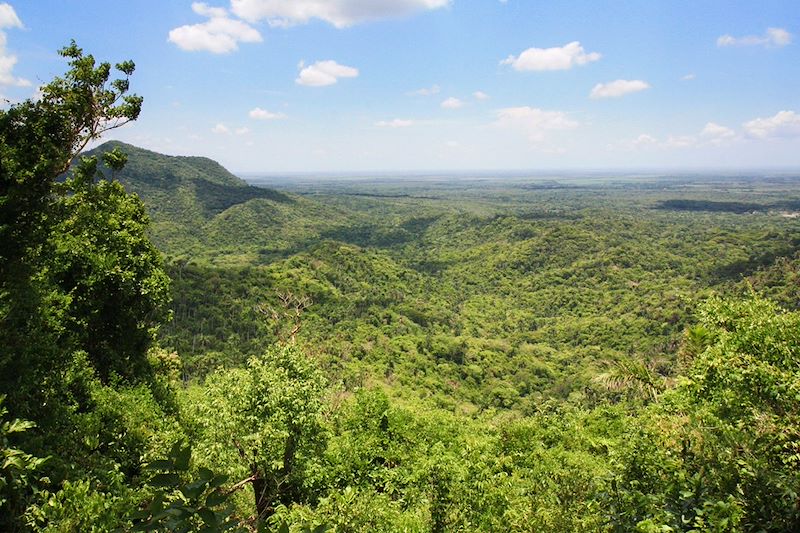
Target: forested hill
179 185
470 355
151 168
196 205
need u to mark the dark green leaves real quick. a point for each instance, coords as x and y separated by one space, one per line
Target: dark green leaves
196 504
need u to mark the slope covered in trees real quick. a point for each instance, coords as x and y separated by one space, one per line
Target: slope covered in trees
197 205
384 355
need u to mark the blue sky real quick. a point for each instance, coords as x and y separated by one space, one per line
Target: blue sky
423 85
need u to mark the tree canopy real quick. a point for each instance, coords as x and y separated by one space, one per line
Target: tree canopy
483 356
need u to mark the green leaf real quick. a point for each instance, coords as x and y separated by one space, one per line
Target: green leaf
218 481
182 457
161 464
205 474
209 517
165 480
216 498
194 489
157 505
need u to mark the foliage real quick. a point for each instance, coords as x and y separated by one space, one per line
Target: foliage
199 504
81 505
263 423
722 452
82 292
475 355
17 468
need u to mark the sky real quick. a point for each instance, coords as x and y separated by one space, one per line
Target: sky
281 86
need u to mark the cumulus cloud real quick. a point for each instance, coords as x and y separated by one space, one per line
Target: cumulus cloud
426 91
324 73
208 11
480 95
688 77
452 103
784 124
712 134
714 130
262 114
643 141
557 58
242 131
396 123
220 34
533 121
340 13
680 141
773 37
716 134
9 19
617 88
221 129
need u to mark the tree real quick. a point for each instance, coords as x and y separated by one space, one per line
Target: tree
77 271
39 139
16 468
721 451
263 423
82 289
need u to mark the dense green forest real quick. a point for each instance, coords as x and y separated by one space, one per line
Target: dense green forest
182 350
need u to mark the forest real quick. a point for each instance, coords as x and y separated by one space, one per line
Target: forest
184 350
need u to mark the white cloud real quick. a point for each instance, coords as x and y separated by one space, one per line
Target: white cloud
688 77
716 134
785 124
680 141
340 13
712 134
242 131
452 144
533 121
207 11
773 37
452 103
644 140
715 130
324 73
557 58
219 35
396 123
617 88
221 129
262 114
9 19
7 63
480 95
426 91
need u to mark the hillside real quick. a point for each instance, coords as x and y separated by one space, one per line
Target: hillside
486 351
495 355
199 209
492 300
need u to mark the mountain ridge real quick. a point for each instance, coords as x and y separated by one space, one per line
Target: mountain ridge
196 205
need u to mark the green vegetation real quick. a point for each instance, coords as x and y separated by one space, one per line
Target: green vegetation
182 351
